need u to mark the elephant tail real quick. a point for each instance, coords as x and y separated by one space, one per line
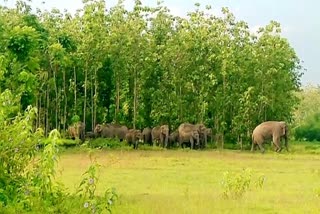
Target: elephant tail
252 144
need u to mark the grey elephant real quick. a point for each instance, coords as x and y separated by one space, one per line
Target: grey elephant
160 134
189 133
118 131
133 136
103 131
146 136
270 130
202 129
173 138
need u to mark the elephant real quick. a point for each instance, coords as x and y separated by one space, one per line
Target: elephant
270 130
161 134
189 133
202 129
103 131
73 132
173 138
111 131
133 136
146 136
77 130
118 131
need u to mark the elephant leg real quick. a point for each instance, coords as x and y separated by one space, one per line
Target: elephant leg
276 141
191 142
252 146
135 145
261 148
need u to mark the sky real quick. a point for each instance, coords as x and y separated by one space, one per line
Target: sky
299 19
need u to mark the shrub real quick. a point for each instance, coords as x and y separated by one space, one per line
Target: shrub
310 130
105 143
235 185
27 175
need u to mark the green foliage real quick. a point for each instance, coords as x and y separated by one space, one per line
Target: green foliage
307 115
146 67
309 130
87 188
235 185
28 175
105 143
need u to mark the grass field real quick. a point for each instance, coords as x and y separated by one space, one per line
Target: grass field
184 181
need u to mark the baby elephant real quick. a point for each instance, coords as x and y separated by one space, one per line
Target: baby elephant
133 136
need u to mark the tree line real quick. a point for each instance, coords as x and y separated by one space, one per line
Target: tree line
145 67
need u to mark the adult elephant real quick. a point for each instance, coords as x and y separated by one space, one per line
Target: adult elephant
146 136
189 133
77 130
270 130
173 138
202 129
103 131
73 132
133 136
160 134
118 131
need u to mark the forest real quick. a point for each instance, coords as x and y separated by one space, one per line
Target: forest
146 67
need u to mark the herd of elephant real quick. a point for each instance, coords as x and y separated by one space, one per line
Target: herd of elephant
195 135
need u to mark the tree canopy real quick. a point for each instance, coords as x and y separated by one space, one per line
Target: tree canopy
146 67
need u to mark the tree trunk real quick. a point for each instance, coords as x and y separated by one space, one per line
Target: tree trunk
95 99
75 89
56 93
47 111
135 99
85 92
65 101
117 99
92 100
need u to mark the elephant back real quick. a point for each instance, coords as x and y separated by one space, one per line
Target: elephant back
186 128
118 131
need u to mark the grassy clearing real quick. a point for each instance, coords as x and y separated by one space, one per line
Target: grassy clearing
184 181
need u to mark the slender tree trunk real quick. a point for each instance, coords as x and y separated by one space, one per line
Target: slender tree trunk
92 100
47 111
117 98
56 92
135 98
95 99
39 111
37 106
85 92
75 89
65 101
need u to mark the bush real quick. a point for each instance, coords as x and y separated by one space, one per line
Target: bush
235 185
27 175
310 130
106 143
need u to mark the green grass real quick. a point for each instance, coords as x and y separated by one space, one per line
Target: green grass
184 181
